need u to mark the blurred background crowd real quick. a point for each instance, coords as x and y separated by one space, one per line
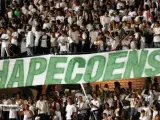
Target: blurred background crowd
38 27
95 103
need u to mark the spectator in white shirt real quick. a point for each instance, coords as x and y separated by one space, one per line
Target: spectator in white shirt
133 102
82 109
148 96
4 43
42 108
30 42
143 116
147 110
95 105
13 111
71 110
38 34
6 101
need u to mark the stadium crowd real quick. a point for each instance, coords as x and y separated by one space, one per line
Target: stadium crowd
96 104
38 27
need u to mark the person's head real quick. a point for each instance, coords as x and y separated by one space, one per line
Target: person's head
144 104
154 5
157 24
3 30
69 100
157 117
30 101
106 106
94 96
18 96
41 97
143 112
146 7
104 116
106 86
117 118
80 99
129 84
44 97
26 107
106 13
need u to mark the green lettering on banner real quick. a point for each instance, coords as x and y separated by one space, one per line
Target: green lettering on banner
112 65
135 63
33 71
17 75
53 69
153 62
70 69
101 64
4 74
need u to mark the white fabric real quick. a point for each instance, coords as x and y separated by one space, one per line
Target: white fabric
13 112
42 107
157 34
5 42
27 115
30 39
14 41
70 109
95 103
37 36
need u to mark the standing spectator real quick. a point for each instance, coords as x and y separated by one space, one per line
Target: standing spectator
4 43
95 105
143 116
6 101
71 110
14 43
54 44
30 42
42 108
156 31
82 109
38 34
28 115
44 43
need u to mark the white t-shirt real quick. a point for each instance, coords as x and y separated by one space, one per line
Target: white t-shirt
37 36
5 42
82 105
143 118
157 34
154 114
126 18
95 103
70 109
32 108
14 41
147 112
42 106
105 20
13 112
